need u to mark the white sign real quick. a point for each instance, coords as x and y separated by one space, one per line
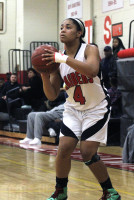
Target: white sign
131 2
108 5
74 9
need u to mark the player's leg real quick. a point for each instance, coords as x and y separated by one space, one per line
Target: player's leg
88 151
96 121
63 166
70 131
95 164
63 159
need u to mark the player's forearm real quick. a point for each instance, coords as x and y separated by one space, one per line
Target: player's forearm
82 67
48 88
89 68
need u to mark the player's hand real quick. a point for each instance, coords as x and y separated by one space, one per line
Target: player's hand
54 57
48 56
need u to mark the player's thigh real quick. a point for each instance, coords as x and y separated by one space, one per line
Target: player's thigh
71 124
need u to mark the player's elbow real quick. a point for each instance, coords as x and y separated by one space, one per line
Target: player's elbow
51 98
93 73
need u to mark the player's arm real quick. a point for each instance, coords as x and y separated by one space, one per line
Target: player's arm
51 84
90 67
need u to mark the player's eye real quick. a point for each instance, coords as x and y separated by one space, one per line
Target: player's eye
68 27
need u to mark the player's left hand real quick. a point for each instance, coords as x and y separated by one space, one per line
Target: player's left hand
49 56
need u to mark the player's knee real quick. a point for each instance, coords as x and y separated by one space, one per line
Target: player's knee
95 158
86 154
63 152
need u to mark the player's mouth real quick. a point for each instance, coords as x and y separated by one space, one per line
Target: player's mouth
62 35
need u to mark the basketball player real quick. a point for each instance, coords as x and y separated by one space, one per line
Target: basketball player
87 107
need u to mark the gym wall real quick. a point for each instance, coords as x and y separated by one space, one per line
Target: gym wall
40 20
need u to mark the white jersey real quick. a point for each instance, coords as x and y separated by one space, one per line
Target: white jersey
83 92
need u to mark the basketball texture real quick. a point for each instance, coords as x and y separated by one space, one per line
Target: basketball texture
39 64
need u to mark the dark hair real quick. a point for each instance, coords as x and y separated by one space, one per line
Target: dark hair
33 70
107 48
113 81
120 45
13 74
79 28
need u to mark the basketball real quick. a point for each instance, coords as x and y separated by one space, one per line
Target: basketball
39 64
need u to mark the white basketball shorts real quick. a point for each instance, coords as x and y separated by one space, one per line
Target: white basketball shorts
87 125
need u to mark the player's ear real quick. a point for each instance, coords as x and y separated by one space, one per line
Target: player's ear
79 33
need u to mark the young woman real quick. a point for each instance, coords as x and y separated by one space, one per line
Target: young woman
32 95
86 108
117 46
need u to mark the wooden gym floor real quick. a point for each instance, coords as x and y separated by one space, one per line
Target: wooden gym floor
29 173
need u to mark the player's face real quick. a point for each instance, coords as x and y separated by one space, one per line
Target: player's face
115 43
68 32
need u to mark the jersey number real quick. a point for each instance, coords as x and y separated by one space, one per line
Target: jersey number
78 96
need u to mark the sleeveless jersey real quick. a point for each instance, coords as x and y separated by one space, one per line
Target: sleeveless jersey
83 92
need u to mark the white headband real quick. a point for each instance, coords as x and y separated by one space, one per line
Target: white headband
80 24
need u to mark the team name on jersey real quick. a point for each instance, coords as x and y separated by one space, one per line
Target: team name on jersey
76 78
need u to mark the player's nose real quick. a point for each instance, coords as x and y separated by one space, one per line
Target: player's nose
63 29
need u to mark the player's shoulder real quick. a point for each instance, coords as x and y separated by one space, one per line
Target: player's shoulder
91 49
92 46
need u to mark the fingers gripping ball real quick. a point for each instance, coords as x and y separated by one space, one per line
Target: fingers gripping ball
39 64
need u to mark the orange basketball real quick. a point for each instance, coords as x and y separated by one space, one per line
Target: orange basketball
39 64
